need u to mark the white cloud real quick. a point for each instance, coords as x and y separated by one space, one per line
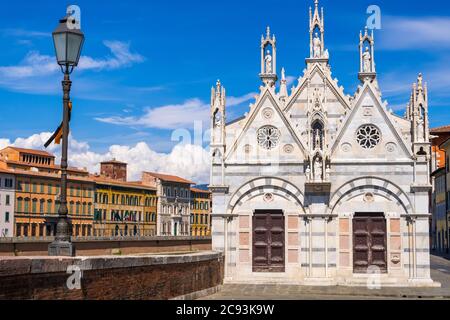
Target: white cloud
35 65
290 80
173 116
403 33
166 117
185 160
235 101
122 57
16 32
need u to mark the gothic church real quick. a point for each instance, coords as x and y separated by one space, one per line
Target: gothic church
317 187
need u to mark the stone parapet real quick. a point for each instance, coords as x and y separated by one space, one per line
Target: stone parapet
145 277
94 246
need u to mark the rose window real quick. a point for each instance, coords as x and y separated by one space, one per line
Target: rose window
368 136
268 137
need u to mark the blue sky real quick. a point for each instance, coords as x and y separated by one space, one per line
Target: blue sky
148 66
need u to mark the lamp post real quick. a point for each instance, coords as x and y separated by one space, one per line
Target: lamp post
68 42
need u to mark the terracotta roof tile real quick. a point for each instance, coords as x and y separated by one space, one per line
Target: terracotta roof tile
6 171
134 184
169 178
200 190
43 166
49 175
113 162
444 129
31 151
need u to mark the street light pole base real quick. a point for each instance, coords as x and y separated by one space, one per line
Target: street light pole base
61 249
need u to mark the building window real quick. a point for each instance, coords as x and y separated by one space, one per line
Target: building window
19 205
27 205
6 217
9 183
368 136
268 137
34 206
8 200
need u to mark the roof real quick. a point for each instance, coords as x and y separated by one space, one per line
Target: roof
43 166
169 178
117 183
444 129
444 143
31 151
235 120
6 171
114 161
200 190
49 175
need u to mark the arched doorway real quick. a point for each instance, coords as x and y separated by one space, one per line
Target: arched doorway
268 241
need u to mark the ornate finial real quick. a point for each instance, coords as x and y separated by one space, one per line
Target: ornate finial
283 74
218 86
316 3
420 81
268 32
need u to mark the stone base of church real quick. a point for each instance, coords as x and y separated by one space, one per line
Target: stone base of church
355 281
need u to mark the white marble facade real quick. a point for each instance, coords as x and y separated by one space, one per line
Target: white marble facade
322 157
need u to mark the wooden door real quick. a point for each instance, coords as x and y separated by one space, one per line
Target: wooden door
268 241
369 242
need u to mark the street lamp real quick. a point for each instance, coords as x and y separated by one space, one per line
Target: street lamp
68 42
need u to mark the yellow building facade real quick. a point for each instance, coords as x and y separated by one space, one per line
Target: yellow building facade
124 209
200 213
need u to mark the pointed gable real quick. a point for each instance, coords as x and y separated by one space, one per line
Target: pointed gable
318 77
266 112
368 132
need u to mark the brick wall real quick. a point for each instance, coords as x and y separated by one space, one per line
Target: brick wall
107 246
111 278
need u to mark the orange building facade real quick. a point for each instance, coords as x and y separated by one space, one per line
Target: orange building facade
37 194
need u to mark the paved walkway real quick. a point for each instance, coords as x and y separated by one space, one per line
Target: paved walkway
440 273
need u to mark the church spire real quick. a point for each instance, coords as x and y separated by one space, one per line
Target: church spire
268 59
283 86
317 34
417 114
367 70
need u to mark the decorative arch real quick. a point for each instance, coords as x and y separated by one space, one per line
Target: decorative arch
375 185
261 186
217 156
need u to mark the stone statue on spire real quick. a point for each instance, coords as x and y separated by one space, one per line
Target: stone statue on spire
317 46
367 70
268 60
316 31
367 61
